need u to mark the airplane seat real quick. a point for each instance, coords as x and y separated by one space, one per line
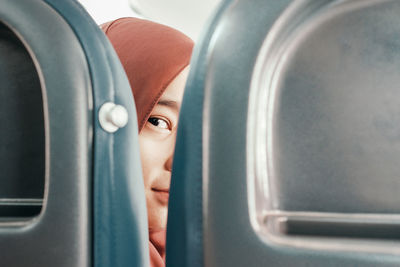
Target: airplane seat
71 189
288 143
22 160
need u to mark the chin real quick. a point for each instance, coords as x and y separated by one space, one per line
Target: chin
157 218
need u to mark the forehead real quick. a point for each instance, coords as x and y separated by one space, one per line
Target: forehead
174 91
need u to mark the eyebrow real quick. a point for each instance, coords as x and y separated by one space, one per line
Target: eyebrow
169 103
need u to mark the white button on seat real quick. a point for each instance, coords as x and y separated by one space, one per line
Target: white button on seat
112 117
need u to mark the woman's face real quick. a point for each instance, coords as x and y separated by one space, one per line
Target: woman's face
157 143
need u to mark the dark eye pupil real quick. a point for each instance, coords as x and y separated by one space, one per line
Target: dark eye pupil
154 121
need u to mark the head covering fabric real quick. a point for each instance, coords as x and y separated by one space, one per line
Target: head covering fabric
157 248
152 56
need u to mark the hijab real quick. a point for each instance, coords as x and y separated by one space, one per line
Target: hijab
152 56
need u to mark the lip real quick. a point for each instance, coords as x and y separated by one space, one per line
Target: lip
162 195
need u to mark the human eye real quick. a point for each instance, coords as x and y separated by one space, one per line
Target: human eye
159 123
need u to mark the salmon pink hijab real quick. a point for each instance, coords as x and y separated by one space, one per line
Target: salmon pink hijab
152 56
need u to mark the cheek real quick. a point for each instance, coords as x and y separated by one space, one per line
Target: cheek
147 157
155 153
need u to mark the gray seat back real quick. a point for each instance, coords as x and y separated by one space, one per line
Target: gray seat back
60 67
22 119
299 138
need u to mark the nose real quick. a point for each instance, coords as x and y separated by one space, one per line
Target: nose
168 163
169 160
